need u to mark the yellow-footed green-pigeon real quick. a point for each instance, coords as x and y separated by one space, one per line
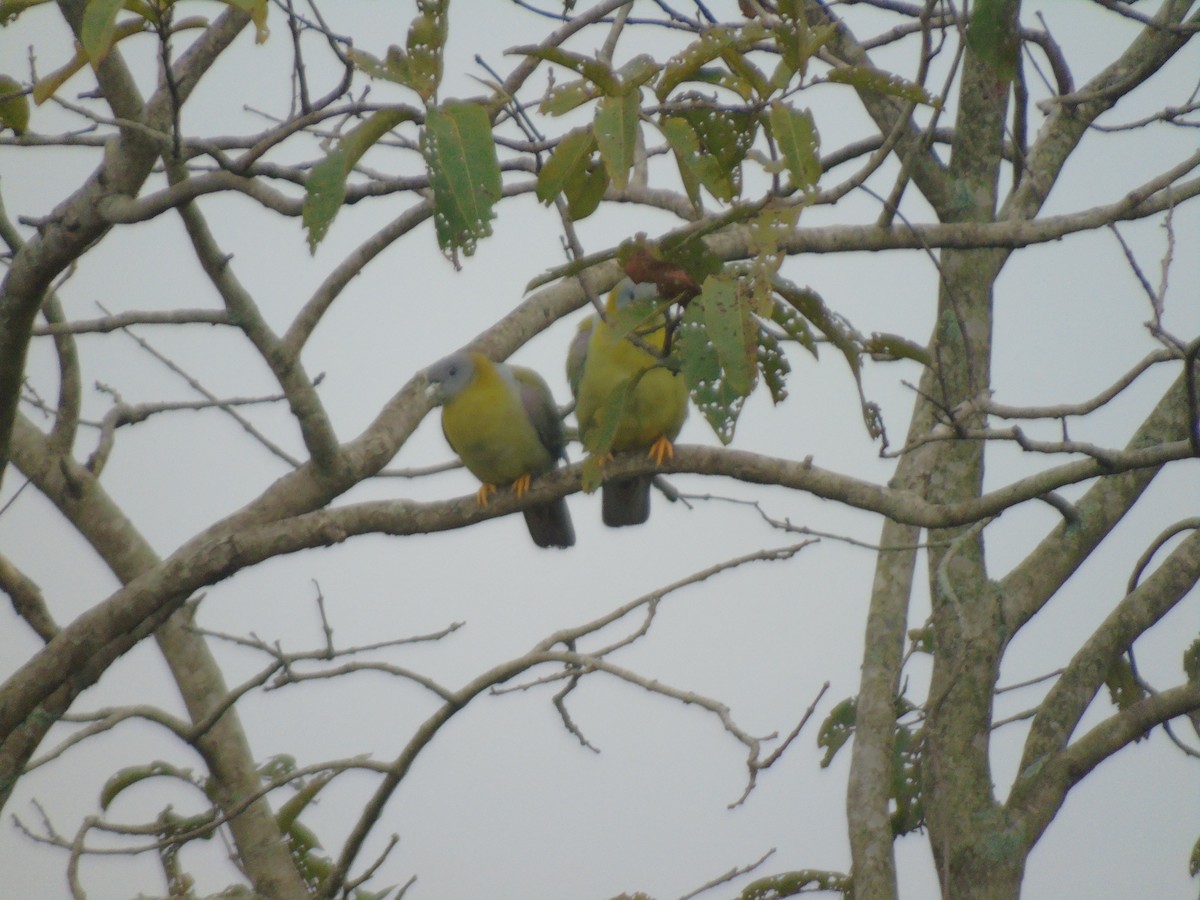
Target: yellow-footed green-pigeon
502 422
603 363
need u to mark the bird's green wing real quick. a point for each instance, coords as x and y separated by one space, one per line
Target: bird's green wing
538 404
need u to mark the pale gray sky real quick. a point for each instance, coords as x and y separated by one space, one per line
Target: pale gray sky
504 803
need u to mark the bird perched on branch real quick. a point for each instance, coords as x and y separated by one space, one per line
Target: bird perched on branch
611 375
502 422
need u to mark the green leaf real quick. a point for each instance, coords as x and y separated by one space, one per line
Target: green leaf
695 166
600 437
464 173
740 65
133 774
992 35
687 65
810 305
795 326
908 813
700 363
616 127
837 728
569 161
637 72
709 146
10 9
733 331
585 192
426 39
257 10
799 42
1191 661
594 70
1194 861
290 811
563 98
797 139
325 187
773 365
14 106
866 78
802 881
1123 687
98 26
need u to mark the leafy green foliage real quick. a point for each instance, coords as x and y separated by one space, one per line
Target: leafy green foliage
14 106
10 9
909 812
601 437
567 164
1123 687
732 329
792 884
839 332
575 171
325 188
711 388
905 789
132 775
878 81
616 128
418 65
1191 661
837 728
797 40
97 28
460 155
690 63
797 139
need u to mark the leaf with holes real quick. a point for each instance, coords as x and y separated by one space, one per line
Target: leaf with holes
585 192
866 78
325 187
700 364
695 166
796 137
732 330
689 64
569 161
460 155
616 128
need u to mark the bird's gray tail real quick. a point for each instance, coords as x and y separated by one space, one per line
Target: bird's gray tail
550 524
626 501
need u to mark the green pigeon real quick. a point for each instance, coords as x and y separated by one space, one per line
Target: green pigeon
602 362
502 422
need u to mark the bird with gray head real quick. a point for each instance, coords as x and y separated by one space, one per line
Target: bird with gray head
502 422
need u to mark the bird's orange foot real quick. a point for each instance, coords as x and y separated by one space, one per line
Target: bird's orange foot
521 485
484 493
661 449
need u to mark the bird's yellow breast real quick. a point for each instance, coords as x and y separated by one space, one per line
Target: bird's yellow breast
655 408
490 431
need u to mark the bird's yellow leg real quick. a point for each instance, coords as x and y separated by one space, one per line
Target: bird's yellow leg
484 493
662 449
521 485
